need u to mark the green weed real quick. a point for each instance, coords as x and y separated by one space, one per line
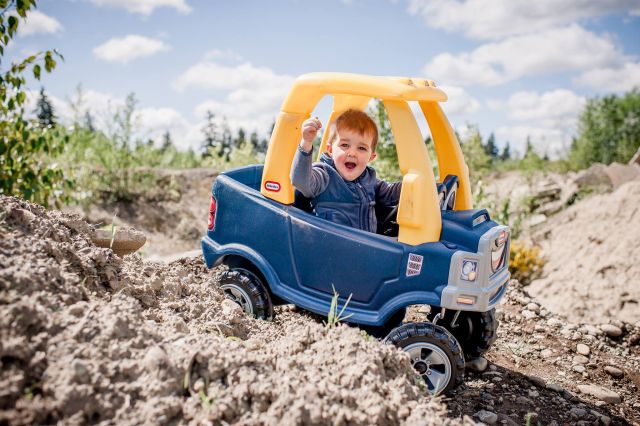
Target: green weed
334 317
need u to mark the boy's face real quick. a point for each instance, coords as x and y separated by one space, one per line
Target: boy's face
351 152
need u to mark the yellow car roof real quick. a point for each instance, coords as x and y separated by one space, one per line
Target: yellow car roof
308 89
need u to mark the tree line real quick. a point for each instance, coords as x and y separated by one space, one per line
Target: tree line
34 146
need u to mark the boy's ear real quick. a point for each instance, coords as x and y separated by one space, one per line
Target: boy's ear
373 156
329 149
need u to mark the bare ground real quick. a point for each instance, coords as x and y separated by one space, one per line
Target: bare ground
88 337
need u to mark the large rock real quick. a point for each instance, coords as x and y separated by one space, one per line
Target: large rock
124 241
608 177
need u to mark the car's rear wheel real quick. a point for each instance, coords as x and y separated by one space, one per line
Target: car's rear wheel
435 354
475 331
246 289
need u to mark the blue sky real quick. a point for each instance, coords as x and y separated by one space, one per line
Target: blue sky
513 67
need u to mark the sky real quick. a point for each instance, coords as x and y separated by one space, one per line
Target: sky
516 68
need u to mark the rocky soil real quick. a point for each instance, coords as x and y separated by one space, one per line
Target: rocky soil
89 337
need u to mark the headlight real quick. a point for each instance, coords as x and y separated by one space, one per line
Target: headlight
469 270
499 252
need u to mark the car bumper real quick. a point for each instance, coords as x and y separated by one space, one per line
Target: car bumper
486 291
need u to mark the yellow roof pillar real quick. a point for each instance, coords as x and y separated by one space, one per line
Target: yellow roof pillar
419 216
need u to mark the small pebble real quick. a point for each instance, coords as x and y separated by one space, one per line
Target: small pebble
486 417
613 371
580 359
534 307
546 353
538 381
555 387
578 412
583 349
554 322
611 330
600 393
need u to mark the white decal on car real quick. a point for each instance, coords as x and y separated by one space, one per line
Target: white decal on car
414 265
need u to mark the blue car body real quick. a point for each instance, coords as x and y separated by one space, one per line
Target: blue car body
302 258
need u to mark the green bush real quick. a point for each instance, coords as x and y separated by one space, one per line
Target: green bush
608 131
26 148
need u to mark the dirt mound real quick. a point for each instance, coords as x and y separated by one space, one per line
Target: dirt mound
172 214
88 337
592 251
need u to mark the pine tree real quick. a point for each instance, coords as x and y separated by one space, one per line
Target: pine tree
88 122
490 148
44 110
506 152
212 141
167 141
241 139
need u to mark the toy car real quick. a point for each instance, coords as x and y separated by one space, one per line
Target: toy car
431 249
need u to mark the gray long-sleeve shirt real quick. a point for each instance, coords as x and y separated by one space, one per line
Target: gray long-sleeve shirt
350 203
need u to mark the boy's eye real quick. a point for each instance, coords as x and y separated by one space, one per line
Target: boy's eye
362 148
344 145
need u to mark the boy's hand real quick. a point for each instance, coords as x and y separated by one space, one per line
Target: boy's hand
310 129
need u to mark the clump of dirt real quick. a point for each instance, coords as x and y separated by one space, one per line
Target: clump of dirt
592 251
88 337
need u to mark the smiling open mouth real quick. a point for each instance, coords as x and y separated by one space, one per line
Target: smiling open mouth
349 165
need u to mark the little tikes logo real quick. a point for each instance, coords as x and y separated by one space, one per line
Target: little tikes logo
272 186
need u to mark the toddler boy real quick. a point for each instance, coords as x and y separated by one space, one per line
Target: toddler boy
342 187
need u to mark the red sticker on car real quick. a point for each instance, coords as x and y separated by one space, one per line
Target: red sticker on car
272 186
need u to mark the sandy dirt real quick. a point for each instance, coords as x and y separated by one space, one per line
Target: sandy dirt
89 337
592 251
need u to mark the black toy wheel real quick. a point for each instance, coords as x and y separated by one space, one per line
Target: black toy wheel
475 331
246 289
435 354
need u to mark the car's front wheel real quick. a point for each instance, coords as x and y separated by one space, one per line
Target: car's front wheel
435 354
246 289
476 331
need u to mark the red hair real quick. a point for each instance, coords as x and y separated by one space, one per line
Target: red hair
357 121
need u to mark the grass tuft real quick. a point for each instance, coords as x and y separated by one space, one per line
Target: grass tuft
334 317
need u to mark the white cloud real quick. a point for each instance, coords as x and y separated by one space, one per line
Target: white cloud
551 141
155 122
460 102
253 95
559 50
39 23
620 79
493 19
144 7
213 75
551 108
129 48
